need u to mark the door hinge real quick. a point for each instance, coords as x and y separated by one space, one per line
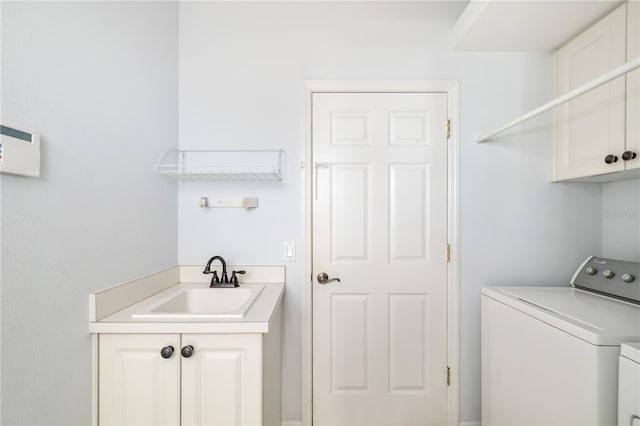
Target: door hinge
448 376
448 253
448 129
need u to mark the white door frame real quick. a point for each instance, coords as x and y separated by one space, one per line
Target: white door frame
394 86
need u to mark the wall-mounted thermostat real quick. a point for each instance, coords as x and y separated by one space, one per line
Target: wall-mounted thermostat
19 151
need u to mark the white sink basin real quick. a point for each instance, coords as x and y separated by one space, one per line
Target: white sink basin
204 303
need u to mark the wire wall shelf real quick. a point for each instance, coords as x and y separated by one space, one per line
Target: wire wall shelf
222 165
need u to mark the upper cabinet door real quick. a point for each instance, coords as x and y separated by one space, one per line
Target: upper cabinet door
633 84
591 126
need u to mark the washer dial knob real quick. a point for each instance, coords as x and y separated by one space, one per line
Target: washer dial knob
627 278
608 274
591 270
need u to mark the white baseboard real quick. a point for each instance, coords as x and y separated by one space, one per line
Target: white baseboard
299 423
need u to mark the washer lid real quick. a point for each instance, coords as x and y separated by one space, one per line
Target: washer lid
631 351
597 319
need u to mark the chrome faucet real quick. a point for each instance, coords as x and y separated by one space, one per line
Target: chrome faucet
223 280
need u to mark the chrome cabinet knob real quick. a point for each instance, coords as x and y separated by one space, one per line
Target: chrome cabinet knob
627 278
187 351
629 155
591 270
610 159
323 278
166 352
608 273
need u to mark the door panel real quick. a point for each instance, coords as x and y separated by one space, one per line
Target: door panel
350 212
408 128
408 211
380 225
136 385
350 330
349 128
221 381
407 342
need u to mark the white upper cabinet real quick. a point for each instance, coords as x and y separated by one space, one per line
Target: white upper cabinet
594 131
633 84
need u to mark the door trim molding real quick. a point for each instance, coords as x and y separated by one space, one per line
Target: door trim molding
453 337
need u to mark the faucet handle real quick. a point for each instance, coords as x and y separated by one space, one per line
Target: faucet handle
234 278
215 279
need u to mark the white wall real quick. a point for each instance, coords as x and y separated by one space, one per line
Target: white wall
621 220
99 82
242 66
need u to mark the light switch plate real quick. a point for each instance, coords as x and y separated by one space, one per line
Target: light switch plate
290 251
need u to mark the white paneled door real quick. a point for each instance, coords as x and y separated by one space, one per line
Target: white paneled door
380 226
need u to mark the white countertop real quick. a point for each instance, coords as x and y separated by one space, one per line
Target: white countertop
256 320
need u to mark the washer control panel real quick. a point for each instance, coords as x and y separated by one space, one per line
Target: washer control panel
617 278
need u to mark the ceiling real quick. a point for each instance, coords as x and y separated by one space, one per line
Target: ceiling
524 24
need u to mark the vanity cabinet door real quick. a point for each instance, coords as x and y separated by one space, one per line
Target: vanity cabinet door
222 379
592 126
139 379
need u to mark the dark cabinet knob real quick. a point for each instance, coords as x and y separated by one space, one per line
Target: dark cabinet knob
187 351
610 159
166 352
629 155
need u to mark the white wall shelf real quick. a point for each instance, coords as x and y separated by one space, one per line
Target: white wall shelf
494 25
222 165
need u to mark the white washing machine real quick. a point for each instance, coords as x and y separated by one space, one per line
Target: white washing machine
629 385
550 354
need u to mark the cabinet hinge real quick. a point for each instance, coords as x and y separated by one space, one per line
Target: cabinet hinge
448 376
448 253
448 129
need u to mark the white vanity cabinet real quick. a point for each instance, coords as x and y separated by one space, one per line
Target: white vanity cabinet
594 131
220 383
216 367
